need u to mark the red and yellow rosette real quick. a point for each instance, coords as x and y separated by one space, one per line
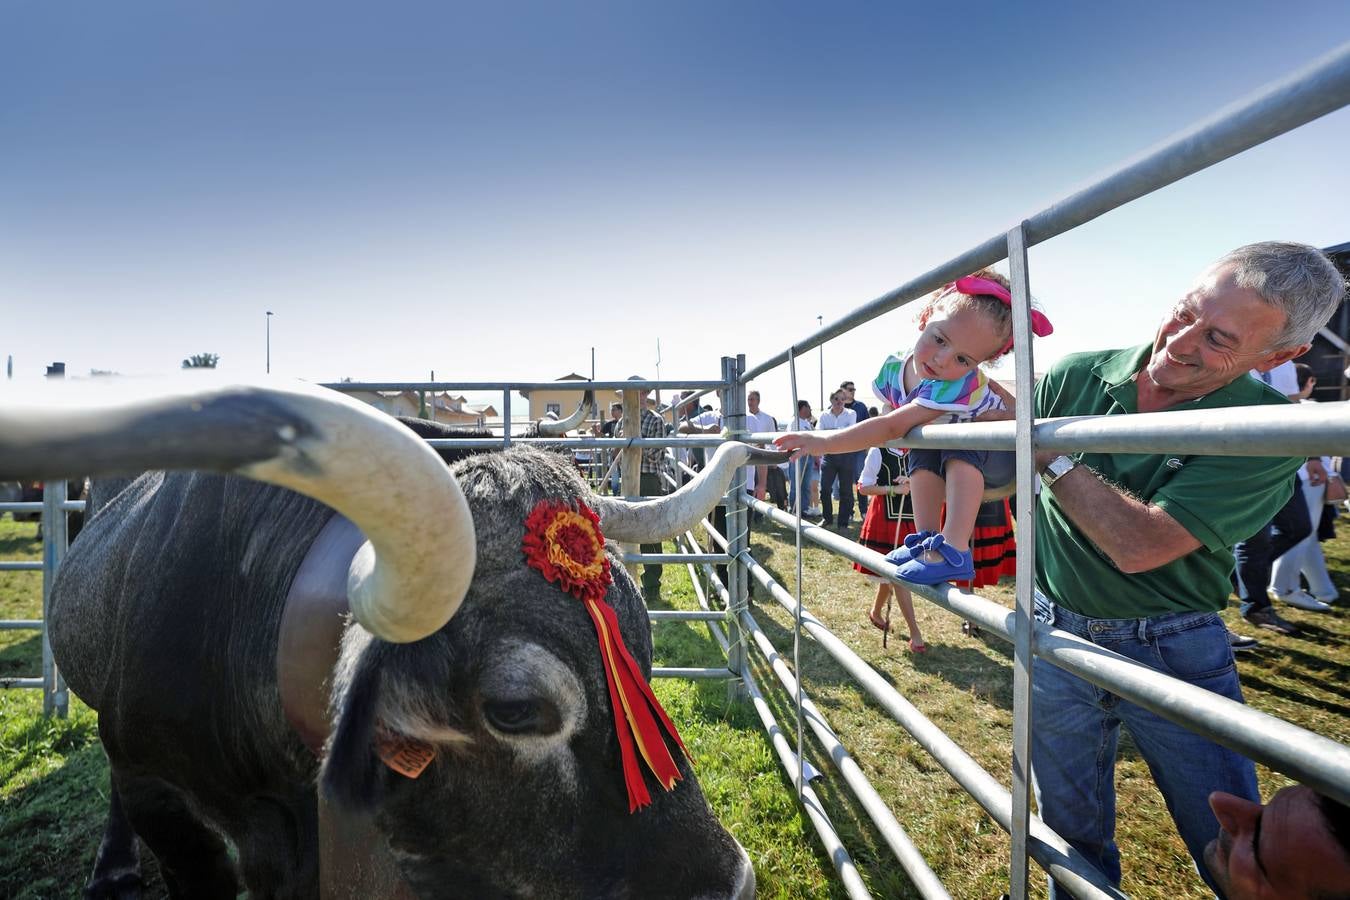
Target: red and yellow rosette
565 544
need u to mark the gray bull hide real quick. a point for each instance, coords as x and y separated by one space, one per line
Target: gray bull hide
165 618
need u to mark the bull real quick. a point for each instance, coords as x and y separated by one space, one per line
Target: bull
180 617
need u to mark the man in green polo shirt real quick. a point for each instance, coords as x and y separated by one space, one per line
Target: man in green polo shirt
1133 551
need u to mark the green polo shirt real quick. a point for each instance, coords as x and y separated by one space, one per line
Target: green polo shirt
1219 499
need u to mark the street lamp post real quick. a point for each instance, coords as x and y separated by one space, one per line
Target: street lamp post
269 342
820 322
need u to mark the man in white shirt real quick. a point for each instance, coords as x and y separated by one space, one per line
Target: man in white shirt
837 466
1283 378
692 420
755 420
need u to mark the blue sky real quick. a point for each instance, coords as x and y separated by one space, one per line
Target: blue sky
491 191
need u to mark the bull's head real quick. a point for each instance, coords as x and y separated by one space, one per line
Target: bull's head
547 427
510 693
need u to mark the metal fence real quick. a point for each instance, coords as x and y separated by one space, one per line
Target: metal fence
1318 89
53 509
1322 763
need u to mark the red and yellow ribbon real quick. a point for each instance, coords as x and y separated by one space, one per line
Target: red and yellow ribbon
566 546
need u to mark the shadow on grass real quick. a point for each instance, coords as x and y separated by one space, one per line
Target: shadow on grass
21 546
1316 635
1265 686
969 670
23 658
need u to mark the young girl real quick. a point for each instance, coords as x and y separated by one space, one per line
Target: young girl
939 381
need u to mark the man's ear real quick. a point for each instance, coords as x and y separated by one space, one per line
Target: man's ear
1279 357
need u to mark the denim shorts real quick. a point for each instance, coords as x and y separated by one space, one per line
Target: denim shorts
998 466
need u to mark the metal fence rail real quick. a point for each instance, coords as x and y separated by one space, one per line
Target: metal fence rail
53 508
1320 88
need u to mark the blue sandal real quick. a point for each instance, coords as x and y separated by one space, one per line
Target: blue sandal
905 552
954 566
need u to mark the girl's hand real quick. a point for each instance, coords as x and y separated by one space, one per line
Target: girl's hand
996 415
901 486
801 443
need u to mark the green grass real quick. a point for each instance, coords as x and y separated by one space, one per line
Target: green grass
53 778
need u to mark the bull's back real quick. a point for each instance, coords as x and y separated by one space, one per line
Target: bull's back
170 600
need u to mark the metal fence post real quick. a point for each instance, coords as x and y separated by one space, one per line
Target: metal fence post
506 418
1023 645
630 461
738 537
55 697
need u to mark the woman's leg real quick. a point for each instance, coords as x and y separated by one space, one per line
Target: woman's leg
906 600
1284 572
879 604
1314 564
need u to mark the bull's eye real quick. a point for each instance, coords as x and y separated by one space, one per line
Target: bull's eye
522 716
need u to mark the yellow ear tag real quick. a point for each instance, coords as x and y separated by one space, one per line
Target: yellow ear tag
406 756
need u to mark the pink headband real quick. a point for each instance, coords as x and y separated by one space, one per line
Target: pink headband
973 284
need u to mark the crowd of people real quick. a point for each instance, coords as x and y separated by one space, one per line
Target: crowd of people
1136 553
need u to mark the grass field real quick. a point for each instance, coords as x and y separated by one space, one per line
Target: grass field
53 778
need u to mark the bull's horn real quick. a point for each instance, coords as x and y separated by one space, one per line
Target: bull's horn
999 492
655 520
549 428
401 586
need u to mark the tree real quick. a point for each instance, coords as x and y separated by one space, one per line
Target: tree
201 361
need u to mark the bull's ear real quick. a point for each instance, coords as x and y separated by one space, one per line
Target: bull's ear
352 773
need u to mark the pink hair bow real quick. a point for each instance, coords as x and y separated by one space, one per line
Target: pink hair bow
974 284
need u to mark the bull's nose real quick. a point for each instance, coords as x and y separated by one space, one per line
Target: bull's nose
743 885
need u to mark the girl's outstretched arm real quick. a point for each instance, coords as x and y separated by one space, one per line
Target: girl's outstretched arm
872 433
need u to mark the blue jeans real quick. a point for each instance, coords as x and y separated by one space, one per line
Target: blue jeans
1075 726
799 470
837 466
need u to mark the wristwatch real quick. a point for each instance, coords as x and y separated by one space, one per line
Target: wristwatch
1057 469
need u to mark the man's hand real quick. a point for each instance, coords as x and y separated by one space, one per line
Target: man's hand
1003 394
1317 473
1043 458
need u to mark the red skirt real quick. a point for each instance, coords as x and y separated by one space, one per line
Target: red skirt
995 548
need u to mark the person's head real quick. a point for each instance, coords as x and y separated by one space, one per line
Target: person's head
837 401
873 411
645 393
961 327
1255 308
1297 846
752 401
615 410
803 409
1306 380
850 390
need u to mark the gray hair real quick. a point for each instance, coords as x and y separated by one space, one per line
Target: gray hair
1294 278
